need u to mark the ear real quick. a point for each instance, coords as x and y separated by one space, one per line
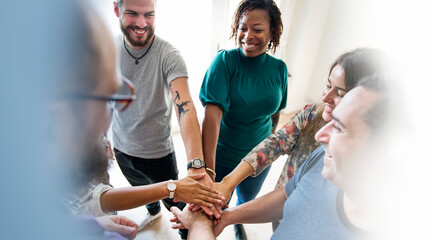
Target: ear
116 9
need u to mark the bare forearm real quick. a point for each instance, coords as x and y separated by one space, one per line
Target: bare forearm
210 133
240 173
201 231
191 135
187 118
117 199
267 208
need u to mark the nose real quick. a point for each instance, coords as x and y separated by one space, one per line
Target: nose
322 136
141 22
327 96
249 34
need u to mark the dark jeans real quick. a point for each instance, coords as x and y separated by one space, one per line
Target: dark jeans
248 188
141 171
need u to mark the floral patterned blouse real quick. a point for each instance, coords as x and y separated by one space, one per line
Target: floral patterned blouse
286 141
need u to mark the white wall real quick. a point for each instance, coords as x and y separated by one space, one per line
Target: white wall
304 38
321 30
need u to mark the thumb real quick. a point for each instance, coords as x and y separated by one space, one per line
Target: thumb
176 211
198 176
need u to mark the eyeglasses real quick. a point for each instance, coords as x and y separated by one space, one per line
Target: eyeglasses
118 101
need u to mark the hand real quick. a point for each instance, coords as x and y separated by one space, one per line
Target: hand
207 181
225 191
189 190
119 224
187 219
218 228
220 224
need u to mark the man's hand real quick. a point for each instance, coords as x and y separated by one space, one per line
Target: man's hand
220 225
198 224
207 181
119 224
189 190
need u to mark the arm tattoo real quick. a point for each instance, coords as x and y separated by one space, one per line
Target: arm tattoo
180 106
177 96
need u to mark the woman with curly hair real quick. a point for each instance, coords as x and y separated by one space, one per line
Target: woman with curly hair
243 92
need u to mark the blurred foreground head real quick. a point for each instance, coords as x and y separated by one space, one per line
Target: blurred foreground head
81 109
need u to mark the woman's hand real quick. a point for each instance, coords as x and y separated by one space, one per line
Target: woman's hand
189 190
225 190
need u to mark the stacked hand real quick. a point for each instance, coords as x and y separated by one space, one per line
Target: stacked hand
213 210
196 221
226 191
191 190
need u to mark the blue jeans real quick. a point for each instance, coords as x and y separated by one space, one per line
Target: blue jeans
248 188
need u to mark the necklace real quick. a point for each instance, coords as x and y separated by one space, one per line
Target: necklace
139 58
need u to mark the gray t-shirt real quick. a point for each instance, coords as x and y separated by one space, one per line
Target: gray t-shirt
314 207
144 130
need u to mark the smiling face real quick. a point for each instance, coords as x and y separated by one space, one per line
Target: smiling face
136 21
334 91
345 136
253 33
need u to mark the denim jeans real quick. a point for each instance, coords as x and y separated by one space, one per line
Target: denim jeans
140 171
248 188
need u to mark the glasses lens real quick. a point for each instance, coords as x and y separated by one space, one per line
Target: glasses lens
125 94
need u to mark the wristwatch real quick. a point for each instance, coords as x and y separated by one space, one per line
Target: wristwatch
171 186
196 163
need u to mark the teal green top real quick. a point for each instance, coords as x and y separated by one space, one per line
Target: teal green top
249 91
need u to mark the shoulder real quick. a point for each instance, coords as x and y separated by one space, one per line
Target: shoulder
162 45
277 61
315 158
313 109
224 58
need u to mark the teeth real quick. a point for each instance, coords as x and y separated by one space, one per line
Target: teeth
139 31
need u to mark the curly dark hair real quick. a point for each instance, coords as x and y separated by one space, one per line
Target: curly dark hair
276 25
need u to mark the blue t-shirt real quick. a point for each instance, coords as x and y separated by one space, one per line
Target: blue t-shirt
314 208
249 91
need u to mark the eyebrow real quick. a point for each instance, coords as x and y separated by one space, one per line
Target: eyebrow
341 89
337 120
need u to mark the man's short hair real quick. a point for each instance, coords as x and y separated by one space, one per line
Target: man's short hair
378 114
119 2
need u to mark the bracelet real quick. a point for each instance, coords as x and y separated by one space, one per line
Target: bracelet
212 171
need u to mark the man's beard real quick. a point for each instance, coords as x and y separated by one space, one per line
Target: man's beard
93 167
137 43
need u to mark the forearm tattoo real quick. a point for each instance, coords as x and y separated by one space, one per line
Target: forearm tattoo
180 106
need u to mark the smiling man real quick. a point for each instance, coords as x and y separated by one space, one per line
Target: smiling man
142 135
328 196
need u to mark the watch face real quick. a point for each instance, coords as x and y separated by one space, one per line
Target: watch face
197 162
171 186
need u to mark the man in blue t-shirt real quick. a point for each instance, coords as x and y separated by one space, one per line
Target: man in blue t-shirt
325 199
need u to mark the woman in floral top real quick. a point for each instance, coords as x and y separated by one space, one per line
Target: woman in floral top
296 138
